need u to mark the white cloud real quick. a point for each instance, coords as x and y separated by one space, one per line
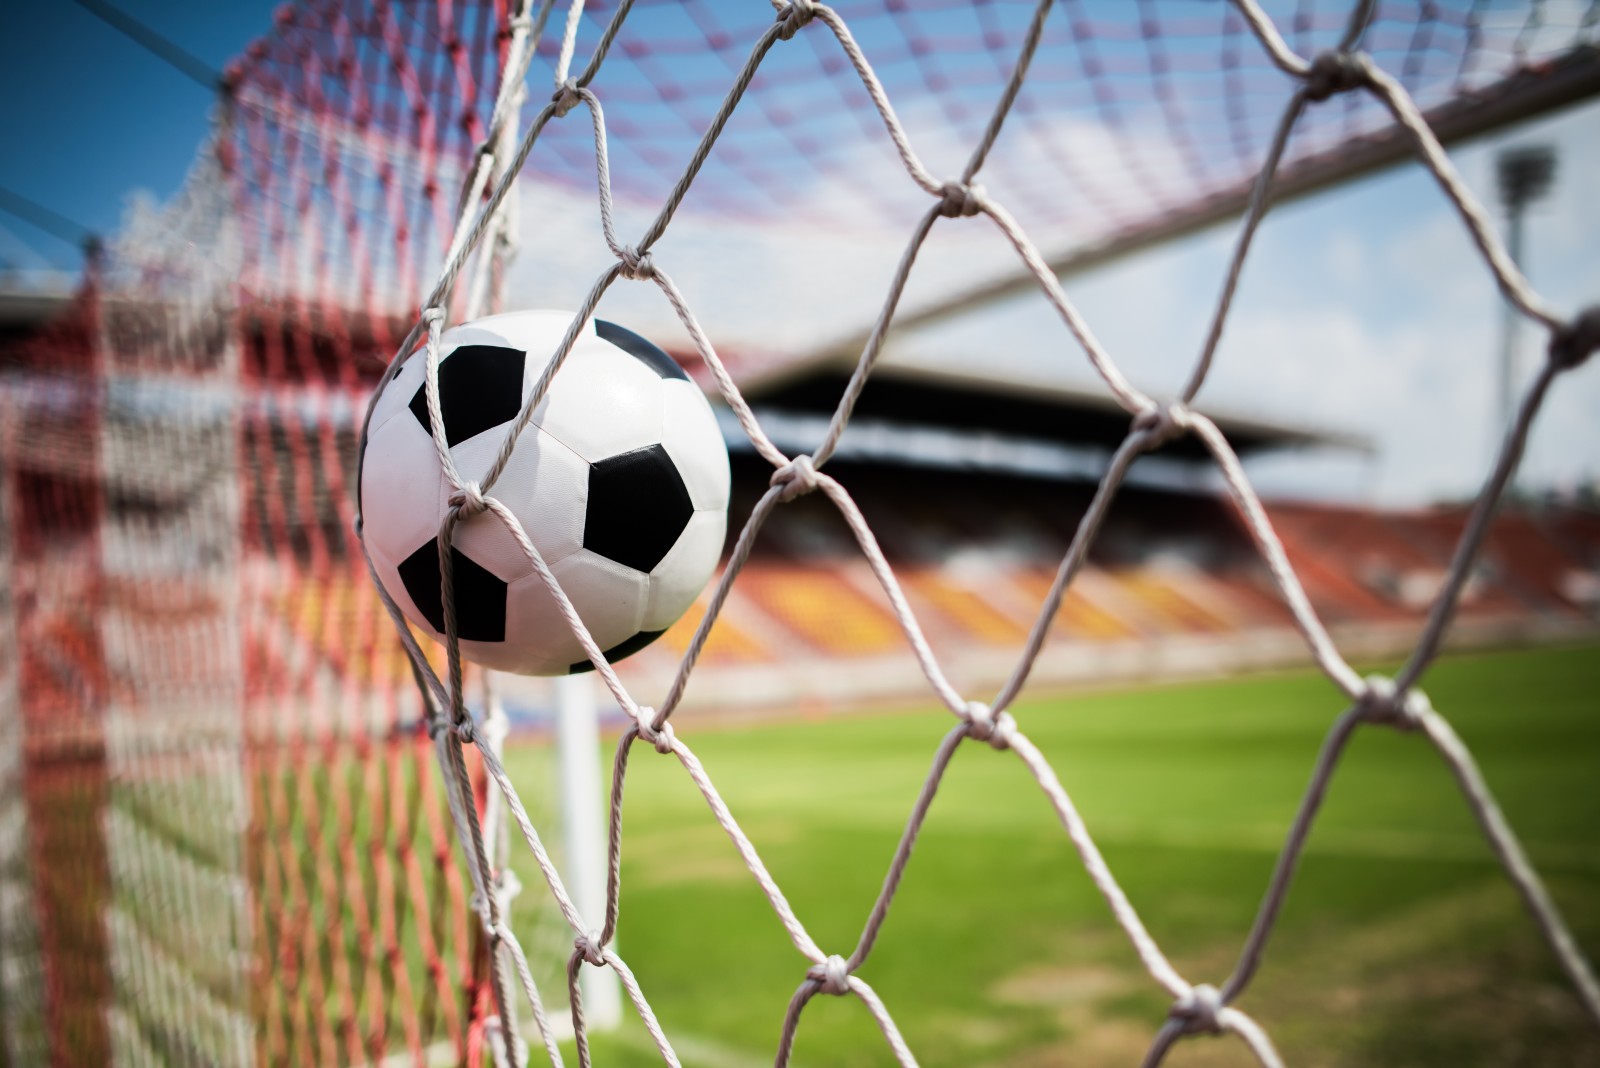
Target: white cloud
1367 310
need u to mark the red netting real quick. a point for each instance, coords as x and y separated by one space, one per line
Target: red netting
237 843
343 144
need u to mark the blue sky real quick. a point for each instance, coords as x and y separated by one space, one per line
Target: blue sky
91 116
1363 310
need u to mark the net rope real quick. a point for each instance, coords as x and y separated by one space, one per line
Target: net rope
1397 703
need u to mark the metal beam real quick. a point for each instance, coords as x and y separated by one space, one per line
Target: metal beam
1529 93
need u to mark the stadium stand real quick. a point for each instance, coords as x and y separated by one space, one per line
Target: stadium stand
963 606
731 642
976 525
974 488
1080 616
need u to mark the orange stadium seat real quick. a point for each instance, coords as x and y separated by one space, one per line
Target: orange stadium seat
823 608
727 643
1325 547
1078 616
962 608
1252 602
1166 603
1521 566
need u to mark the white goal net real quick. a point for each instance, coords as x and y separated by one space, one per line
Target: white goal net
1199 1004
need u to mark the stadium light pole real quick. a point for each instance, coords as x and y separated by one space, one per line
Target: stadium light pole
1525 173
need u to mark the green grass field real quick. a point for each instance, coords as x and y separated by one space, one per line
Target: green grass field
1402 942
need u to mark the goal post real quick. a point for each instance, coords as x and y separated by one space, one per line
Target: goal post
1569 79
584 828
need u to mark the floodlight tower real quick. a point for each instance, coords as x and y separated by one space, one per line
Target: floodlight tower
1525 173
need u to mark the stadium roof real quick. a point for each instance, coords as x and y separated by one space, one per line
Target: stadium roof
27 310
973 402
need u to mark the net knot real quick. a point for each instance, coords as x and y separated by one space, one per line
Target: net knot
591 948
797 478
962 199
1382 703
468 500
984 726
636 264
432 314
506 887
792 15
1199 1010
660 737
565 98
833 974
1335 72
1574 342
1160 423
466 731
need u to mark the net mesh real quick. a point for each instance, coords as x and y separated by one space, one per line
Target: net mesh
230 830
1127 112
228 843
1346 70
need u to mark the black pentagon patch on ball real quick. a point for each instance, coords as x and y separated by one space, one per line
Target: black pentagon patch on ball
480 595
638 506
620 650
641 350
480 387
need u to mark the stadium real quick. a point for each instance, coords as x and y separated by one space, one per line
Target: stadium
254 818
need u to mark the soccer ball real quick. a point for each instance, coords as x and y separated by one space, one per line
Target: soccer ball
620 481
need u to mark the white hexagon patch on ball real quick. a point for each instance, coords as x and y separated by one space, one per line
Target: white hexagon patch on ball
620 481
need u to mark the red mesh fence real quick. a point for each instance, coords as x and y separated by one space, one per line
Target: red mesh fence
233 844
343 145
